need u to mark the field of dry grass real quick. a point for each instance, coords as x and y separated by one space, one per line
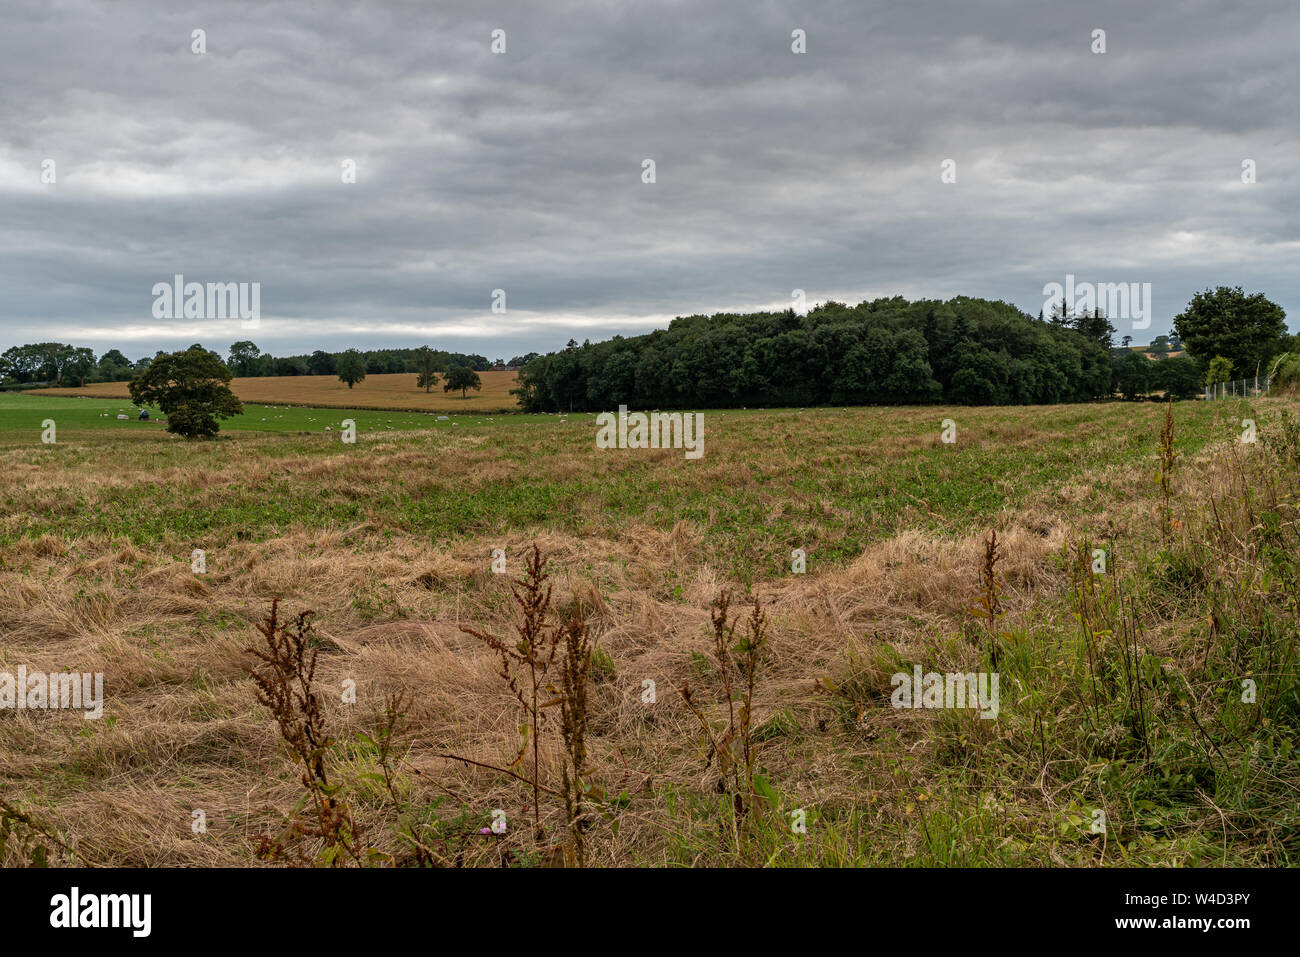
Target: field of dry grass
394 391
390 541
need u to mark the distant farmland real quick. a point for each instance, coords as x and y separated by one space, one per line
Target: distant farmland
395 391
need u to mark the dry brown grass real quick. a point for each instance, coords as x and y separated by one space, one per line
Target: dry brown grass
187 733
390 610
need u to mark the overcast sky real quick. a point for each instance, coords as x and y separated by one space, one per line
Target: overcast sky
522 171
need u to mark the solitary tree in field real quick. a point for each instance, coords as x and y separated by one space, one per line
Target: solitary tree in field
428 378
463 378
351 367
191 387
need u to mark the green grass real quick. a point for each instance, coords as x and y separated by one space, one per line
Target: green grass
829 481
23 414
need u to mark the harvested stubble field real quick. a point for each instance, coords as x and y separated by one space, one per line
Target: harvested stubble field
1121 692
388 391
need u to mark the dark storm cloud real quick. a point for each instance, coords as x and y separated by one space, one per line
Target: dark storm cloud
522 171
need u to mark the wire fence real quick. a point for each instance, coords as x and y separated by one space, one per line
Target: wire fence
1238 389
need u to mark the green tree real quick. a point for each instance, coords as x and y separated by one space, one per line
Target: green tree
1133 374
428 378
351 367
1061 314
530 385
19 363
1179 377
51 359
1095 327
290 365
1246 330
192 388
463 378
1218 370
320 363
243 358
113 367
1285 372
80 363
43 361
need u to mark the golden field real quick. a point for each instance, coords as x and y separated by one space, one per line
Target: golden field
391 391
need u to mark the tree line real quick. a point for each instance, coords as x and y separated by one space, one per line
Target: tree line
884 352
894 352
57 363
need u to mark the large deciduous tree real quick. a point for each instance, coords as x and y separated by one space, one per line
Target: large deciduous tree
1245 330
192 388
351 367
243 358
114 367
80 364
463 378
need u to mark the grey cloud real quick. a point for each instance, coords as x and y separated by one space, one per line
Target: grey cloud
522 171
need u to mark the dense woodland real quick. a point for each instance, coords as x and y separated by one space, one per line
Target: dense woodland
886 352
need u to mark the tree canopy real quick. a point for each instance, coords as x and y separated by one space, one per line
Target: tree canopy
463 378
885 352
1245 330
192 388
427 378
351 367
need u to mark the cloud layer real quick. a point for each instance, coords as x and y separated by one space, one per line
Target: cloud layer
523 171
